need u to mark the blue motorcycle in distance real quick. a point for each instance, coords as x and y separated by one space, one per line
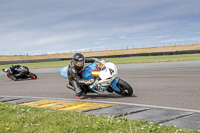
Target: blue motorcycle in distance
105 79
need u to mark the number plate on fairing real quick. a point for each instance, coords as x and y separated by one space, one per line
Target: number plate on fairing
102 88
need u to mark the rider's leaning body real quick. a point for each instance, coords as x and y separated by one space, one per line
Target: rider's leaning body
13 70
75 70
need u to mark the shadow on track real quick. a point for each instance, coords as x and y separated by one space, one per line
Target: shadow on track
105 96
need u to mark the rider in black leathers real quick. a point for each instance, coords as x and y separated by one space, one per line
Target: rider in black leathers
13 71
74 73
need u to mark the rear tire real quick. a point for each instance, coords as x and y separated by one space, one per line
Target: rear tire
33 76
125 89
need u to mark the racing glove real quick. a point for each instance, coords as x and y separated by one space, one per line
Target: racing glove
89 82
102 61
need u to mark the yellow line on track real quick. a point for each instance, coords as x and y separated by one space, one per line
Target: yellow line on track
42 103
67 105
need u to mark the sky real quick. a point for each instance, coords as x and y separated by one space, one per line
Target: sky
45 26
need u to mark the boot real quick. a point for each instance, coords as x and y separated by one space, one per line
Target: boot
78 92
77 87
70 87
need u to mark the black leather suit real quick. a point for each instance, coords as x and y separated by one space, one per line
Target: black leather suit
13 70
75 78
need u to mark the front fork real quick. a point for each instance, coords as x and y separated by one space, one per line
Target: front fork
113 84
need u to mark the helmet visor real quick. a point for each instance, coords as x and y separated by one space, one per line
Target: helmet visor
79 63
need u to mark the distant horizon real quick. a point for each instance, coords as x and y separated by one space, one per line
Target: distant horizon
91 50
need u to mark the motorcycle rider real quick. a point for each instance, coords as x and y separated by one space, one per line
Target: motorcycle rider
13 71
74 73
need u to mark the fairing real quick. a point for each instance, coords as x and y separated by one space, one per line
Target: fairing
63 71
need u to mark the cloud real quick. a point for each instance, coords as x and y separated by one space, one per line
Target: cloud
49 25
99 42
123 37
105 38
194 33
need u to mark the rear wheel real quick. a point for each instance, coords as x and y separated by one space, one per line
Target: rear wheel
33 76
125 89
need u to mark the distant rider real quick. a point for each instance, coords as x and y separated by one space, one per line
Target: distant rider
74 72
13 71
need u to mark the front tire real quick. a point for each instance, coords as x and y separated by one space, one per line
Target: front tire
125 89
8 75
11 77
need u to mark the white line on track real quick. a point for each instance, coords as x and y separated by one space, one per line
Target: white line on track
133 104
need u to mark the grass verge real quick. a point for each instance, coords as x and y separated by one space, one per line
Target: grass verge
16 118
123 60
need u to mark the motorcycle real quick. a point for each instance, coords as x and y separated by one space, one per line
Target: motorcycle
105 79
20 73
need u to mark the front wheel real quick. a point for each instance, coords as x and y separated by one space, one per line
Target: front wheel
11 77
125 89
33 76
8 75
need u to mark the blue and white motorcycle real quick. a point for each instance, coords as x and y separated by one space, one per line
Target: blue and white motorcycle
105 79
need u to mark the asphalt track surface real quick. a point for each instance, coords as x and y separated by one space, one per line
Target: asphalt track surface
169 84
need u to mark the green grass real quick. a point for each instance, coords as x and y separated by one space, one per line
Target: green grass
24 119
149 59
53 64
124 60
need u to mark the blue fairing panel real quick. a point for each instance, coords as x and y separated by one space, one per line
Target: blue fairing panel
100 88
87 72
63 71
114 84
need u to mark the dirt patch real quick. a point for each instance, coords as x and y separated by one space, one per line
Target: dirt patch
107 52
